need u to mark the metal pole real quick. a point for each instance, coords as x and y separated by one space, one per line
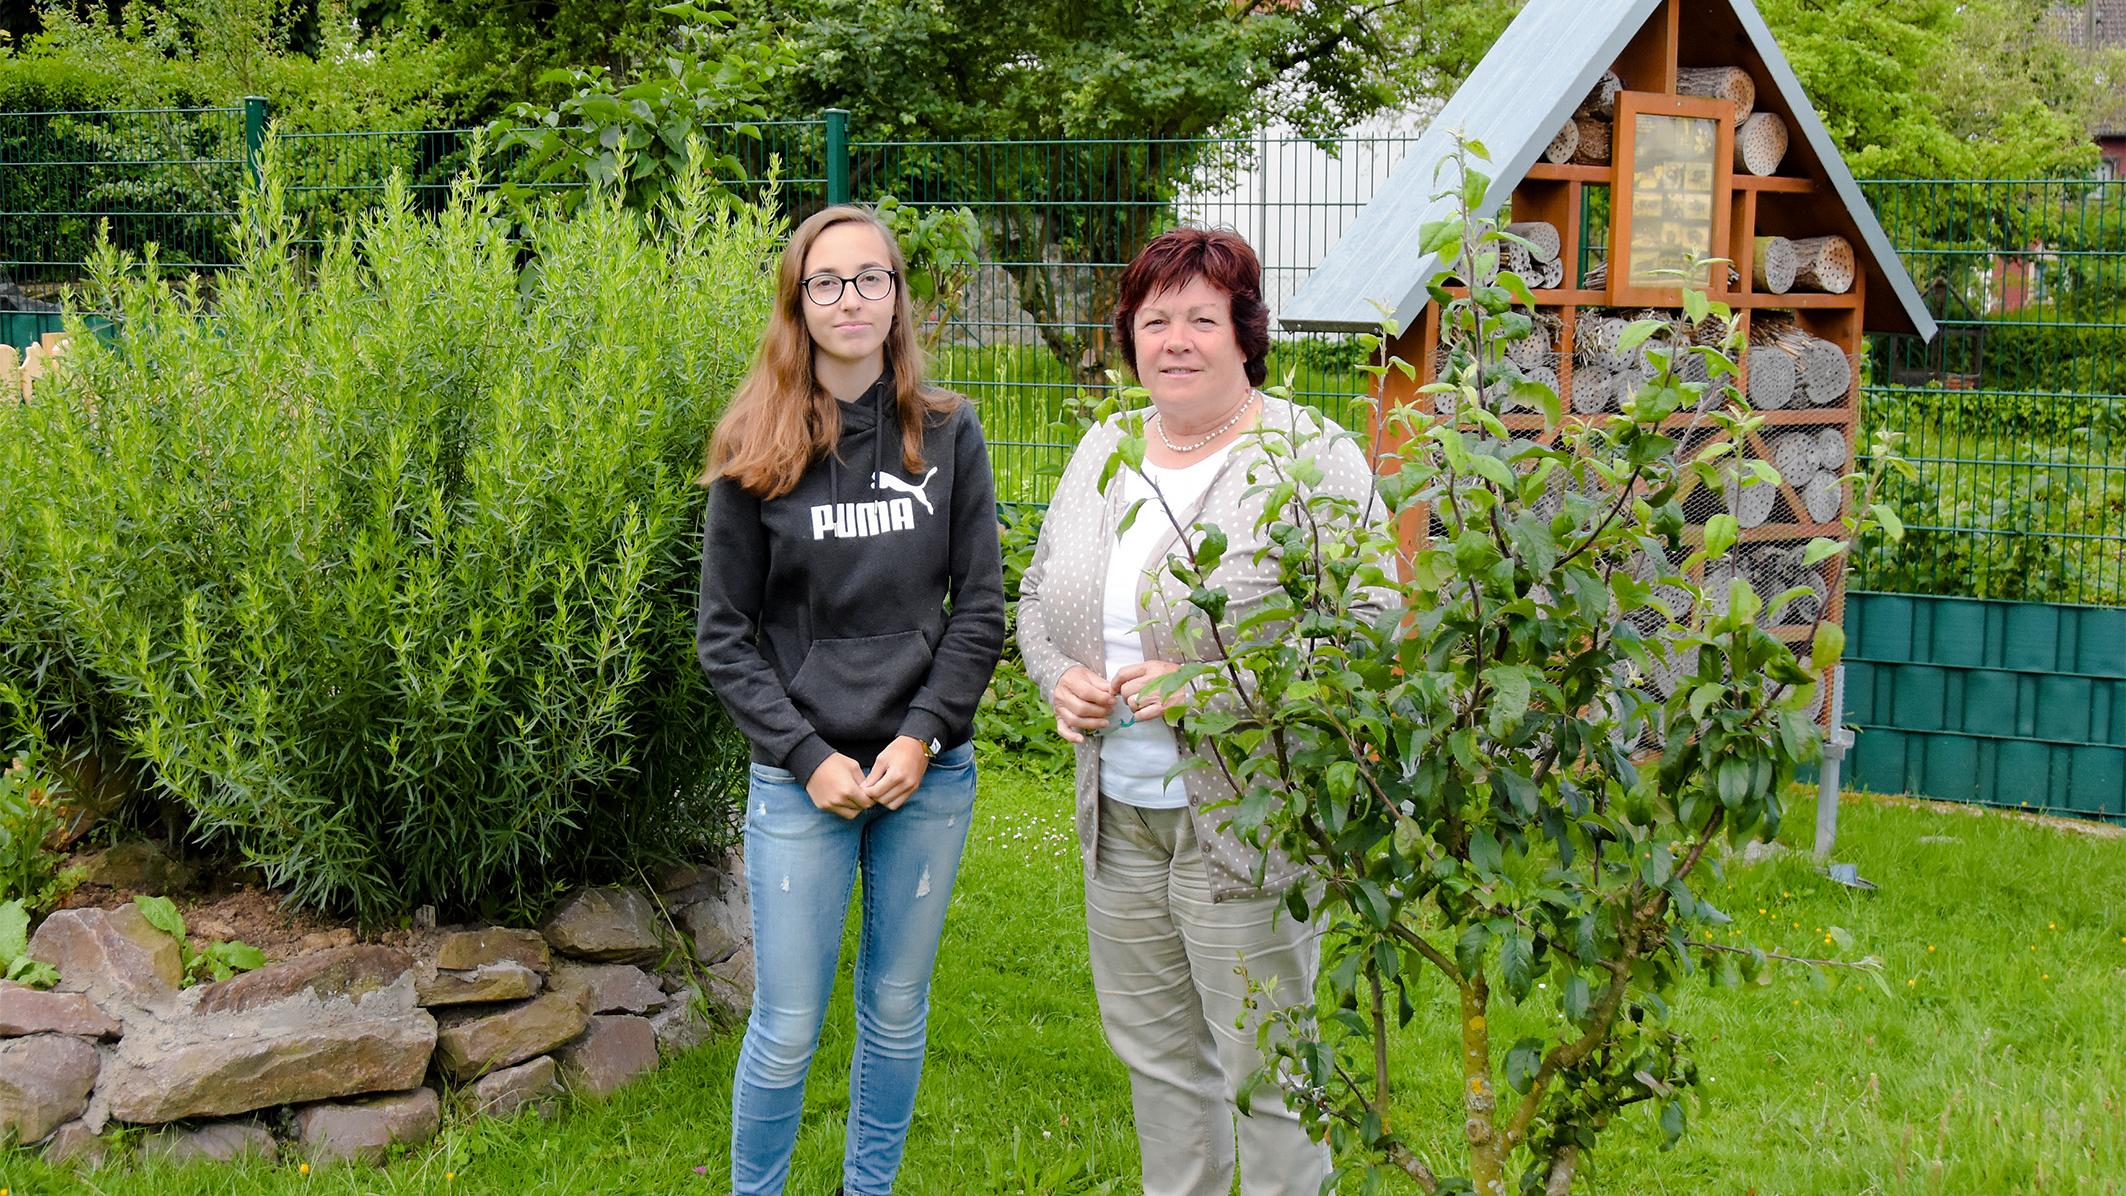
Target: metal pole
837 156
254 134
1836 742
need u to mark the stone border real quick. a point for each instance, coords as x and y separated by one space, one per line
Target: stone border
341 1054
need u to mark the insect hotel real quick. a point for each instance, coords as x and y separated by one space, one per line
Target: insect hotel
1631 137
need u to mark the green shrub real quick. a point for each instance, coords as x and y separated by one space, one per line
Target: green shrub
385 569
30 871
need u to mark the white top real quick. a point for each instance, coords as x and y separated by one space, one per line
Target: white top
1135 758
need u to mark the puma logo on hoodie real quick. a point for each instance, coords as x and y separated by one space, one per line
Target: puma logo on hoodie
858 520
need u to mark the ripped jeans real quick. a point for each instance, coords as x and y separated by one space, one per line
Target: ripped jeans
800 865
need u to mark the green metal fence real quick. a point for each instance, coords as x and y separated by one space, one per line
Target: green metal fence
2016 416
2013 417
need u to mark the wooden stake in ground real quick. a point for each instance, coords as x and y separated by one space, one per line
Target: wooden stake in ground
1772 265
1730 83
1823 264
1760 144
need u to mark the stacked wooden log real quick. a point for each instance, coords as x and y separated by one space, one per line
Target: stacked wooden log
1781 264
1537 262
1730 83
1812 462
1760 144
1818 373
1585 137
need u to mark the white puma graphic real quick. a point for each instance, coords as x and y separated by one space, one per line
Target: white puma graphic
886 481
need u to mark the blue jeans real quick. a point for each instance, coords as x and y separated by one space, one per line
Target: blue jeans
800 865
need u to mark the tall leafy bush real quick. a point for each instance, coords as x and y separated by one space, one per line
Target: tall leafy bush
384 567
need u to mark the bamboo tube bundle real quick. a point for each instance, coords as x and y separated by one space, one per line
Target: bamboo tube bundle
1760 144
1730 83
1823 264
1593 149
1595 342
1597 278
1602 101
1565 145
1773 264
1830 450
1826 372
1772 377
1549 330
1824 497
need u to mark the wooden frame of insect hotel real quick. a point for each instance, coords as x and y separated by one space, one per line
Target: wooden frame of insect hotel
1629 136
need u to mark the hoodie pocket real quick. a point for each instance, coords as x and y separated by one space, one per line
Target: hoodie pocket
857 690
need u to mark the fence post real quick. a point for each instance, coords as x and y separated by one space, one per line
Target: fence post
837 156
254 134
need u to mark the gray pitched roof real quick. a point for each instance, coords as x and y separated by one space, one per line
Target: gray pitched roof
1519 95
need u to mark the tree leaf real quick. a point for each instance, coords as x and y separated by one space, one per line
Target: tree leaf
1827 647
1721 532
1517 962
161 913
14 929
1522 1062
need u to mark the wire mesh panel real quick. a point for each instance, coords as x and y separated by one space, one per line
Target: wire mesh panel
1061 219
2014 416
170 177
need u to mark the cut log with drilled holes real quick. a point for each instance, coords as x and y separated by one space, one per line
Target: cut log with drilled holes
1514 258
1830 450
1822 497
1563 146
1551 275
1751 505
1760 144
1794 456
1730 83
1826 372
1772 377
1772 265
1593 388
1823 264
1542 237
1602 101
1593 149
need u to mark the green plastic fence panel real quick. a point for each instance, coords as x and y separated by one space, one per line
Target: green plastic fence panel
2017 704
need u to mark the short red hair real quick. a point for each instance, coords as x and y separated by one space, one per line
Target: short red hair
1216 255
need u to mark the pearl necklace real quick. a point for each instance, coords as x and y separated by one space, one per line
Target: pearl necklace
1215 433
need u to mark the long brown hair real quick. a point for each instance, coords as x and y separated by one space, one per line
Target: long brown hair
781 420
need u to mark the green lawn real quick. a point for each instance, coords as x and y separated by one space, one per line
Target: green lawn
1997 1064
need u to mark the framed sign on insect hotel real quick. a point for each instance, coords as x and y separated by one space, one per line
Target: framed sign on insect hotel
1674 155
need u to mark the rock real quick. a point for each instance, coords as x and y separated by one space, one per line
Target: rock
677 878
612 1051
467 950
114 956
220 1141
473 1042
503 1093
28 1011
76 1145
138 866
680 1026
365 1131
324 940
44 1083
731 985
344 973
307 1047
609 987
494 982
609 925
719 926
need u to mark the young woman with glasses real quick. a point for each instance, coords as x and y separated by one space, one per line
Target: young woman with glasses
852 609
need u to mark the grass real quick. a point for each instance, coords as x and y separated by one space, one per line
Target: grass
1996 1063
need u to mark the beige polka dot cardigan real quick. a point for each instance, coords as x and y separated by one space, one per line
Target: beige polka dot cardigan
1060 623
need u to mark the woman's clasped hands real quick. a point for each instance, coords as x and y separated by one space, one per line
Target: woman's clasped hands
1085 702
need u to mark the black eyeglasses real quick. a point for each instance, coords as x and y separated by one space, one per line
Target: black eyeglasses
826 289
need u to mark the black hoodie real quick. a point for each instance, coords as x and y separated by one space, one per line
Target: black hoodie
862 605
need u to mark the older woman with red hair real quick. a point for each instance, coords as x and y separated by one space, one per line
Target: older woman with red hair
1182 913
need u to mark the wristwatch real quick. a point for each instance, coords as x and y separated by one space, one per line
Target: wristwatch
931 748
